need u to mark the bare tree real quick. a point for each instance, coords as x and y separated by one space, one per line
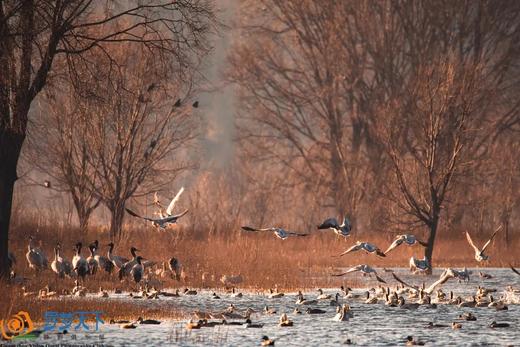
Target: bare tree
34 33
60 148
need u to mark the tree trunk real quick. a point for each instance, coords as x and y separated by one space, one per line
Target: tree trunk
428 252
10 146
116 220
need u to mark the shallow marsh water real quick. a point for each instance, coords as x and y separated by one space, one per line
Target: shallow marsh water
372 325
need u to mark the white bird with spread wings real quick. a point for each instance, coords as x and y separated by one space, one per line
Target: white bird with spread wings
364 269
479 253
165 217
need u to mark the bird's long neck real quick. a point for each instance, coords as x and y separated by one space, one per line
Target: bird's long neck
78 250
132 251
30 247
56 253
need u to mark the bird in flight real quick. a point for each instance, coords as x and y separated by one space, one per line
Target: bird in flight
333 224
367 247
364 269
443 278
479 253
165 217
407 239
278 232
159 222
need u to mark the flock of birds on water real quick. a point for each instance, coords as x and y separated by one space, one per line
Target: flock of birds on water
145 273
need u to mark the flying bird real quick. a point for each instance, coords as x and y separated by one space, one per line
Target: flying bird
159 222
443 278
408 239
364 269
278 232
419 264
333 224
479 253
367 247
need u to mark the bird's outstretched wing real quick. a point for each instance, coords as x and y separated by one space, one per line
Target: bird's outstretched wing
176 216
514 270
169 210
246 228
295 234
132 213
379 278
470 241
329 223
403 282
351 249
486 245
445 276
395 244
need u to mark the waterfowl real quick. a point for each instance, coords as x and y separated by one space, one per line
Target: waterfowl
250 324
407 239
190 292
499 305
370 300
278 232
175 268
364 269
194 325
365 246
126 268
332 223
137 271
274 295
391 300
121 321
268 310
428 303
456 326
408 306
310 310
432 325
335 301
78 290
102 293
479 253
322 296
410 341
468 316
160 222
128 326
471 303
302 301
284 321
266 341
140 320
419 265
484 275
59 265
445 276
499 325
235 294
297 311
116 260
28 294
343 313
35 257
79 264
168 294
215 296
102 262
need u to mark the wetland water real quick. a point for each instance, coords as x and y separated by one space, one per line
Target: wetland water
372 325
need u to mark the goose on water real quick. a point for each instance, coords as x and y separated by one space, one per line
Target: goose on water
444 277
407 239
340 229
479 253
343 313
365 246
278 232
365 270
